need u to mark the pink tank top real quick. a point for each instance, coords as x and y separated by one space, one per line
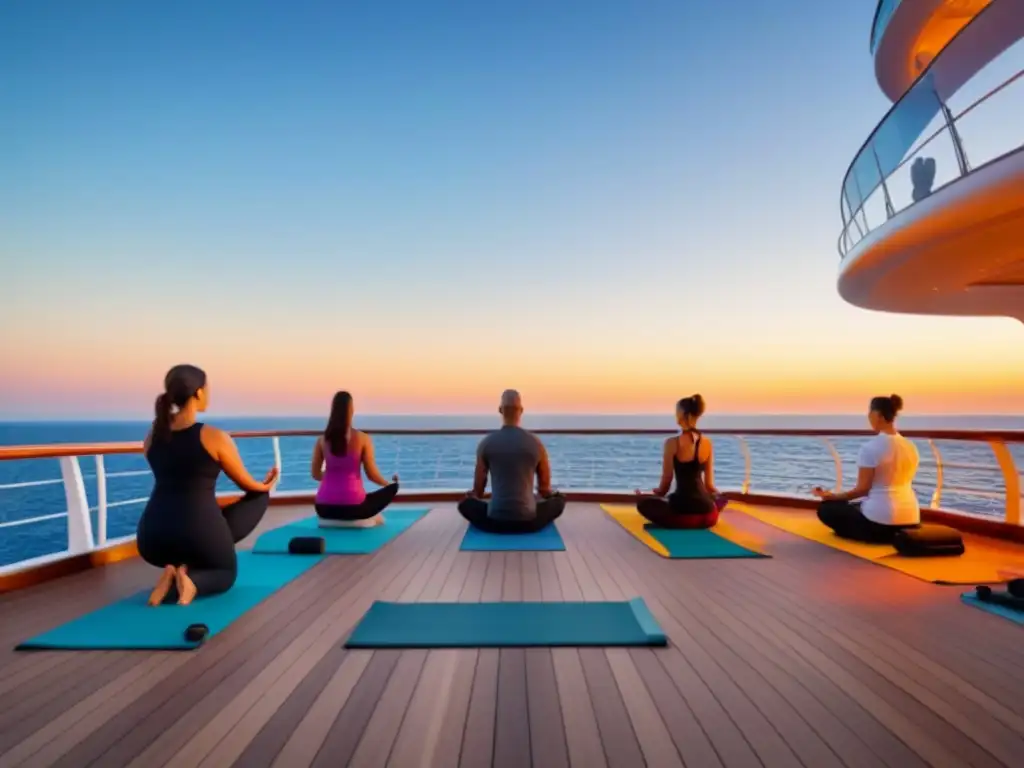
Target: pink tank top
343 479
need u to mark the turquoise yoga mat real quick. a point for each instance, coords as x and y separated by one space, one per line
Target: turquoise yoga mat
340 541
999 610
547 539
506 625
698 544
131 624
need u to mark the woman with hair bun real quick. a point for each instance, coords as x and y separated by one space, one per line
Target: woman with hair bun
689 457
886 466
183 529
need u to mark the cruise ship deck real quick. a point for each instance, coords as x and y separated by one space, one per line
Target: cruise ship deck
812 657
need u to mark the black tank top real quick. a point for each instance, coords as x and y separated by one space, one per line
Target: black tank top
182 466
690 475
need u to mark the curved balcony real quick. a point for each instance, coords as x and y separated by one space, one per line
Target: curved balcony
83 502
907 36
936 180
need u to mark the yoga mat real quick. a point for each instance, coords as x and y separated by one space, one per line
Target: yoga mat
340 541
722 541
132 624
506 625
547 539
982 563
999 610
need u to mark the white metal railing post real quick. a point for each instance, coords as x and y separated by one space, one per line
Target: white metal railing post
101 501
745 451
276 442
937 493
1011 480
838 461
79 521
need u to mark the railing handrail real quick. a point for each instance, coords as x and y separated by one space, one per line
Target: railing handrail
61 450
872 42
868 142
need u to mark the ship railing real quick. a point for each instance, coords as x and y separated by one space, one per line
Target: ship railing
883 15
924 124
966 474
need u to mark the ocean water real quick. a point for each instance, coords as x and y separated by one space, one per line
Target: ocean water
32 488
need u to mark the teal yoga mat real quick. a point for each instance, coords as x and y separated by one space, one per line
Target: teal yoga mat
506 625
999 610
547 539
340 541
698 544
131 624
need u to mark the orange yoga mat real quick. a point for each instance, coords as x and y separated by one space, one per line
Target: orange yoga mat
985 561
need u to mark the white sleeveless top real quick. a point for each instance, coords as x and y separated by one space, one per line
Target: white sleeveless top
891 500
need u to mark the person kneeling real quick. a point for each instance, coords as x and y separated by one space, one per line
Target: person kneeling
690 458
338 458
886 467
512 456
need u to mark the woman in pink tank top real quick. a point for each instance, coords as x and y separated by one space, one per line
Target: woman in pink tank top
338 460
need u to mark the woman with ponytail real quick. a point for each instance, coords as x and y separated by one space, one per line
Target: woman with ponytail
689 458
339 458
183 529
886 467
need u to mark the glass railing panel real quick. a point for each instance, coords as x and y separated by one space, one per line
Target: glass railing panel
977 78
886 8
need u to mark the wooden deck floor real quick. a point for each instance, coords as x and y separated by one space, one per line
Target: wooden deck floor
813 658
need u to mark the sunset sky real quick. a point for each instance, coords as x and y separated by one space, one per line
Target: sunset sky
606 205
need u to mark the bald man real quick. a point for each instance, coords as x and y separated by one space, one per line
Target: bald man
513 457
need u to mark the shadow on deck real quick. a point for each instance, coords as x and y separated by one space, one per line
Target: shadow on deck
812 658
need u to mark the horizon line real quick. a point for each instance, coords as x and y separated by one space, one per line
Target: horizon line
135 419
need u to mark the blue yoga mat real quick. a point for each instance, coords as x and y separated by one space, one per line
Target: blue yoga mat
506 625
547 539
999 610
698 544
340 541
131 624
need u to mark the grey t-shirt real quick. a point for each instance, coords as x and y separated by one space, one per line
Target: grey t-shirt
512 455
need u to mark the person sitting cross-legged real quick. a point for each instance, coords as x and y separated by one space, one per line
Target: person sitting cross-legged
512 457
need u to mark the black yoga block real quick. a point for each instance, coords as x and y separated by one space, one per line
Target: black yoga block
307 545
929 541
196 633
1004 599
1016 587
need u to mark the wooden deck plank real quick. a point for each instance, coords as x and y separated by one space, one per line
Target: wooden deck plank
305 740
382 729
582 734
922 740
253 640
794 711
894 657
811 658
417 741
222 739
512 723
448 749
621 747
547 732
191 707
352 715
478 736
262 750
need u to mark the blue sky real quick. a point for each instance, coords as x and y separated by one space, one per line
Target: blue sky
372 195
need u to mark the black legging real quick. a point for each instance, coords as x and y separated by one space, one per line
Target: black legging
374 503
206 546
674 512
847 520
548 510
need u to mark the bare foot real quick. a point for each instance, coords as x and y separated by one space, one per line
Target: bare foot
186 589
163 586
